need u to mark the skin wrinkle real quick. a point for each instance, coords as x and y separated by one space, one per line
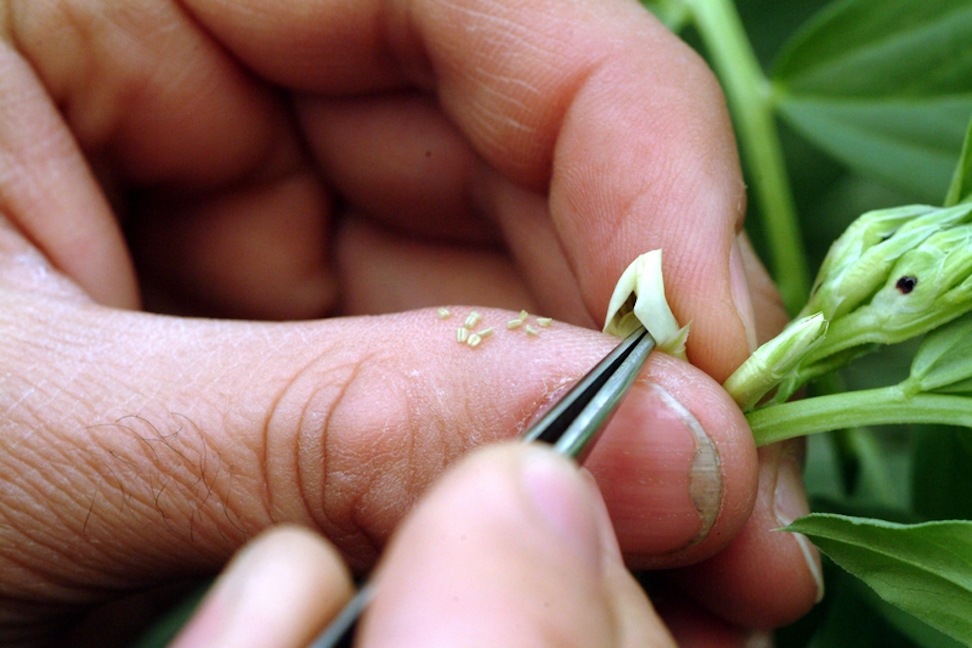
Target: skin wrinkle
154 447
33 556
493 121
295 438
335 525
405 476
387 460
267 429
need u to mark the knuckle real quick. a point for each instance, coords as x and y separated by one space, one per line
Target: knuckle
366 442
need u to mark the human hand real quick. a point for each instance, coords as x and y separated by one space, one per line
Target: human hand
512 547
270 160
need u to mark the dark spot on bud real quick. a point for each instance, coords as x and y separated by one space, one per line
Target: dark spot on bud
906 284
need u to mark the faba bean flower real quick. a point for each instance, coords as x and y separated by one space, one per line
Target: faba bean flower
639 298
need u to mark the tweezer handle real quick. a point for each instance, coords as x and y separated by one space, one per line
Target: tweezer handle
571 426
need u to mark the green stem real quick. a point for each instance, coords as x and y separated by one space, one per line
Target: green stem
880 406
749 96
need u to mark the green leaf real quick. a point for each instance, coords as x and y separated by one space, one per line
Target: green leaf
924 569
909 144
961 189
883 85
943 361
864 48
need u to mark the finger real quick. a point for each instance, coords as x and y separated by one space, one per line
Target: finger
384 273
765 578
260 252
397 158
47 190
695 627
675 482
483 561
768 309
279 591
201 161
146 90
596 101
771 577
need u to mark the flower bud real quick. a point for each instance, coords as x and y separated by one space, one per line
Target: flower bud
894 275
774 362
859 262
927 286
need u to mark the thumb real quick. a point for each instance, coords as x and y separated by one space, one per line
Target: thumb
136 448
482 562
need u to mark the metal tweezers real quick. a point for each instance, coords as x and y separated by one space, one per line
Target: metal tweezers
572 426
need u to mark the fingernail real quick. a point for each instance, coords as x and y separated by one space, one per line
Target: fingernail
564 503
660 471
739 285
790 503
705 472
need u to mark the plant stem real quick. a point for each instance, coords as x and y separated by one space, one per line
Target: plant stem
880 406
749 97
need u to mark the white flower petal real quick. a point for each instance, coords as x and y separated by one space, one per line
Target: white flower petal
639 298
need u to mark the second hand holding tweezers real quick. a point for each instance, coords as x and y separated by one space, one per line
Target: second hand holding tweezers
571 426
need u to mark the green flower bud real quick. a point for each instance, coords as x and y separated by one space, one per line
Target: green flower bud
927 286
893 275
858 262
776 361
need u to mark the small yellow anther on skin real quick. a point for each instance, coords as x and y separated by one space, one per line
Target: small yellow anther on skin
472 319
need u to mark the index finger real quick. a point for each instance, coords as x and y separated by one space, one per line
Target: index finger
595 101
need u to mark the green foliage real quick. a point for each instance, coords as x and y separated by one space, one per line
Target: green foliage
866 107
942 362
884 86
924 569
